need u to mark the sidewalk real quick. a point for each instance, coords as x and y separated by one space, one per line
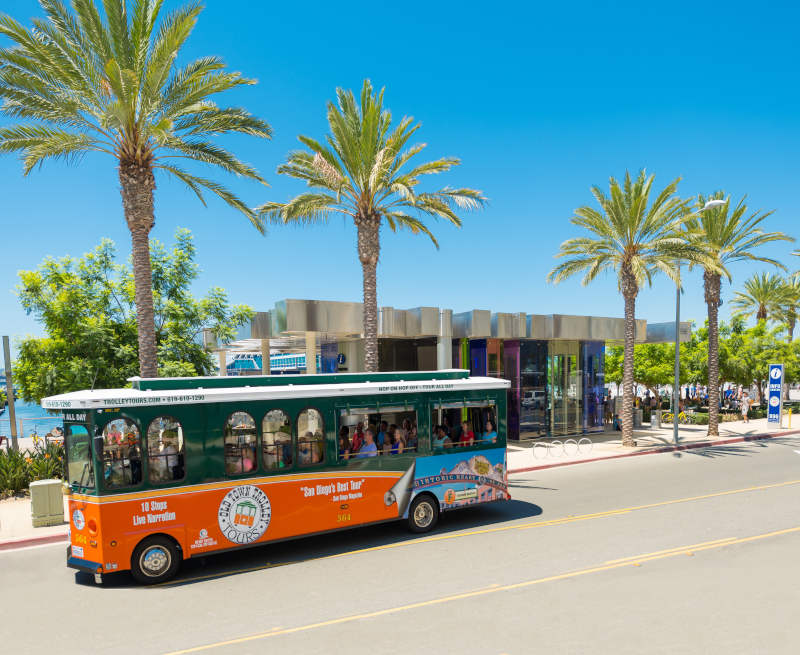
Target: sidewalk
608 445
16 530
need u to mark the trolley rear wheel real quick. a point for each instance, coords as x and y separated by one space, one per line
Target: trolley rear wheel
156 559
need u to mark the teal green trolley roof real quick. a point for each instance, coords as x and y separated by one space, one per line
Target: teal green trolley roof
217 382
187 391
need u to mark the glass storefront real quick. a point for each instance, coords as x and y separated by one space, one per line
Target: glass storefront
566 388
511 351
534 401
594 380
557 387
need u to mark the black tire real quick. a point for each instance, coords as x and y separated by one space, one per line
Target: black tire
423 513
156 559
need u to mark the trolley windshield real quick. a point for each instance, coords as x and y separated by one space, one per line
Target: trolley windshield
77 446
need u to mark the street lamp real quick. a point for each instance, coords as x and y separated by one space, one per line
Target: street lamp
676 387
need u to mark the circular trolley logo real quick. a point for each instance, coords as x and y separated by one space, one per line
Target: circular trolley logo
78 520
244 514
774 401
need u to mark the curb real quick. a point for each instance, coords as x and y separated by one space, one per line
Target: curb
24 542
661 449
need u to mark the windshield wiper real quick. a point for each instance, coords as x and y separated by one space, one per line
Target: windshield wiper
85 468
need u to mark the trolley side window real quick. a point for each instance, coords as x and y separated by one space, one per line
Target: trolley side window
310 437
122 454
464 424
276 440
80 470
240 444
393 430
165 450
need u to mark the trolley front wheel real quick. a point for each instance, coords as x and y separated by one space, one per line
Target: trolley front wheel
423 513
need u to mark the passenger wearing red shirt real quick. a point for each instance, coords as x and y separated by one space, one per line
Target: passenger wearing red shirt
467 435
358 438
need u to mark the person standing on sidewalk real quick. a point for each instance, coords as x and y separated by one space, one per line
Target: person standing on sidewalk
746 402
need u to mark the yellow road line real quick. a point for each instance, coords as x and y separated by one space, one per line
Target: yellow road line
457 535
647 557
678 549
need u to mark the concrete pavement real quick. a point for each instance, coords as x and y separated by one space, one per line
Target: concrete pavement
688 552
558 451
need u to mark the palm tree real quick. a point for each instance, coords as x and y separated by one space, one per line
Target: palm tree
763 296
360 174
636 238
88 83
791 300
725 236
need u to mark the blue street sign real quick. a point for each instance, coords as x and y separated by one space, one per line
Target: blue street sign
775 393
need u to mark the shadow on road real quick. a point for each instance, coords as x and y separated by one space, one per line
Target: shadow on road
297 551
743 449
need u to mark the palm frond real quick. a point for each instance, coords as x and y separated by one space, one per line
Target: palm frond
197 184
630 231
357 170
36 144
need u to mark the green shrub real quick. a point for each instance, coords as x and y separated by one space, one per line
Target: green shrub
15 474
700 418
19 469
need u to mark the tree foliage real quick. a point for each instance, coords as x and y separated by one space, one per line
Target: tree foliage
744 357
86 306
763 296
92 81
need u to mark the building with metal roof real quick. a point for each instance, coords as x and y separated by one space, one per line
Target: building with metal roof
554 362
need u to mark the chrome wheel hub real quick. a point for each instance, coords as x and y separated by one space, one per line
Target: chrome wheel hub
423 515
155 561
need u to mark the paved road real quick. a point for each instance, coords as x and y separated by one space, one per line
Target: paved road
697 553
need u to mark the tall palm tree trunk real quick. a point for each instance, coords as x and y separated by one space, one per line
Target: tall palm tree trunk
629 291
791 322
369 248
137 187
711 283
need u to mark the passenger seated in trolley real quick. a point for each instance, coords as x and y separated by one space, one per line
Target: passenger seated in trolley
309 449
490 436
441 440
368 448
344 443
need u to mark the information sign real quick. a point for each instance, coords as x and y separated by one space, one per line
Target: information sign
775 393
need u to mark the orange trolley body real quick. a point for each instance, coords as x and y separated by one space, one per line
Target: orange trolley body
211 517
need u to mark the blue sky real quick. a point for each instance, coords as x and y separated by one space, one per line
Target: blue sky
540 101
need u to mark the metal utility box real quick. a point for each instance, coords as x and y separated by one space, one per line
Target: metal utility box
47 503
655 418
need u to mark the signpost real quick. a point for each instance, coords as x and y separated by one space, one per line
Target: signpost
775 393
12 417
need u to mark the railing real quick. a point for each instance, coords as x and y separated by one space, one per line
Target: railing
557 448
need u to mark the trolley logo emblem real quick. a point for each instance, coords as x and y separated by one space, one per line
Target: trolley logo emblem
244 514
78 520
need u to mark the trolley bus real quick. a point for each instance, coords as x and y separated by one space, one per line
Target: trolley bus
174 468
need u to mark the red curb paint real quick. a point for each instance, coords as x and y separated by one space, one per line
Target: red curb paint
663 449
11 544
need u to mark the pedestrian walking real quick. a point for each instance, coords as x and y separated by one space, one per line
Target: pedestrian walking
746 402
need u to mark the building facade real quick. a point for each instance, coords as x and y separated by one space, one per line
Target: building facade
555 362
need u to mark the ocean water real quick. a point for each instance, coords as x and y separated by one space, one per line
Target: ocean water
33 418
